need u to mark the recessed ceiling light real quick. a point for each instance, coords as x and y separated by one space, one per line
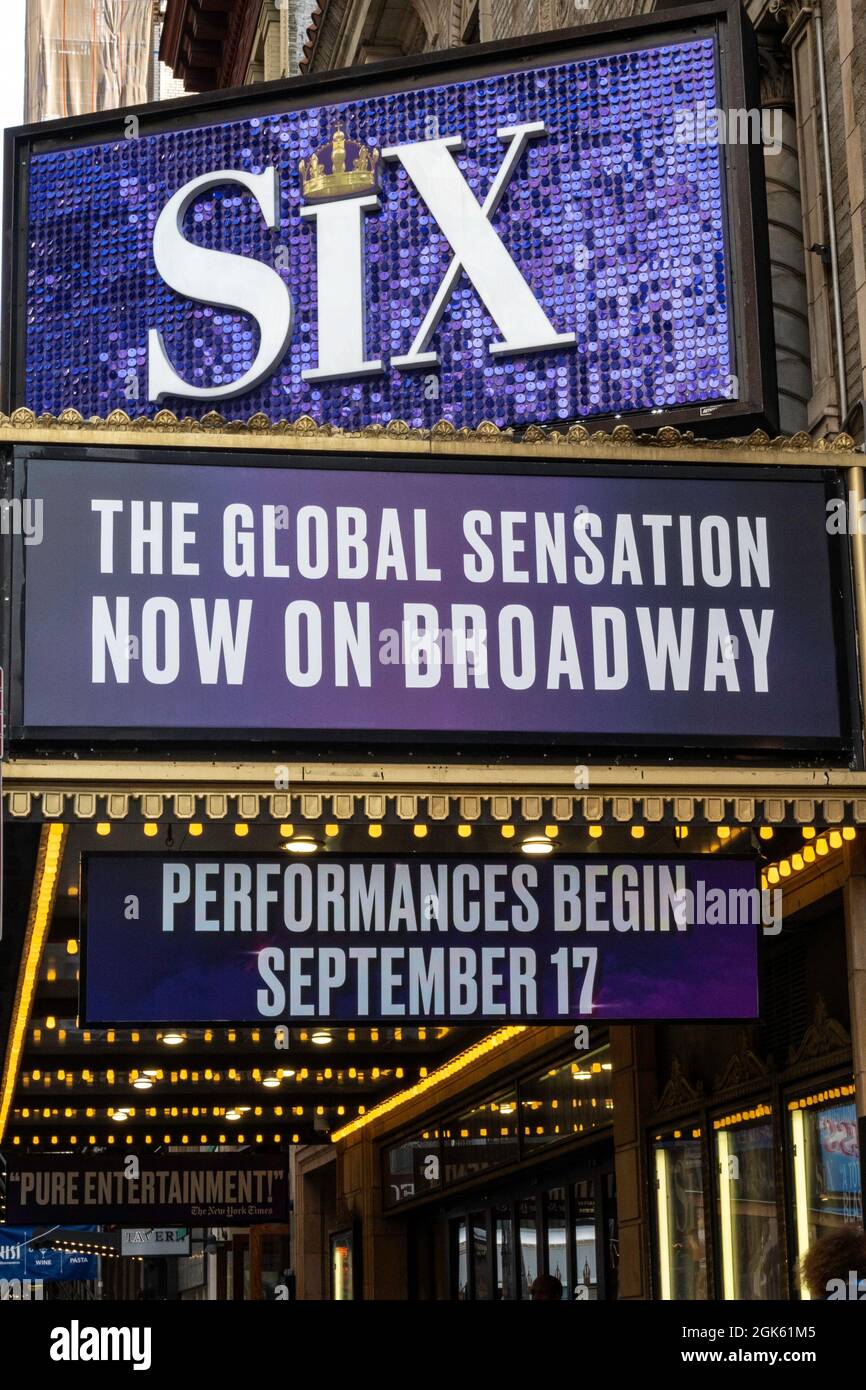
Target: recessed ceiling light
302 844
233 1114
142 1083
120 1115
537 844
173 1039
271 1081
322 1037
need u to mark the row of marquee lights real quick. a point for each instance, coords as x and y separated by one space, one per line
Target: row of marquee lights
239 1112
757 1112
537 843
534 844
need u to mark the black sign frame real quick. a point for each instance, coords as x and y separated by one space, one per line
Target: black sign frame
393 745
747 234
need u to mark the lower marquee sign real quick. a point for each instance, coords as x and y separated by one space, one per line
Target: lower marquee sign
192 1189
246 939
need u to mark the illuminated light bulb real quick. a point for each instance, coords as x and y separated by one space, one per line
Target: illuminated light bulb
723 832
551 831
681 832
809 854
142 1083
766 832
508 832
773 874
120 1115
464 831
321 1037
374 831
72 890
173 1039
835 839
271 1081
821 845
287 831
72 947
302 844
195 828
419 831
331 831
638 832
536 845
51 1021
848 832
785 869
808 832
241 829
103 828
798 862
151 828
596 832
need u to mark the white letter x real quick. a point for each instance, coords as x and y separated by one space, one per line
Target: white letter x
477 249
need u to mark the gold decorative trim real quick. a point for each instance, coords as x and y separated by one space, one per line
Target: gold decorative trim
824 1037
399 803
679 1092
743 1069
260 431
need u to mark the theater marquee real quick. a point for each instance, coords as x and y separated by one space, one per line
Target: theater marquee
328 601
526 235
251 939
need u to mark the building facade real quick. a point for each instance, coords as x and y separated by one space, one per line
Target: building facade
660 1155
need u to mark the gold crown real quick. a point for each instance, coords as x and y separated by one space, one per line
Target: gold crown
339 168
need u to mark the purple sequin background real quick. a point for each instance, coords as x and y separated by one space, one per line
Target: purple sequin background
616 224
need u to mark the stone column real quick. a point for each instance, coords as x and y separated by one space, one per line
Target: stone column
785 216
634 1086
822 412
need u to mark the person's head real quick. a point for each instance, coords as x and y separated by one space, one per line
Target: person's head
546 1289
835 1257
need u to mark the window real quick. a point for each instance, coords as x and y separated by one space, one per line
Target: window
506 1265
585 1262
460 1259
572 1098
498 1251
482 1138
747 1211
825 1159
556 1237
566 1100
411 1168
681 1254
528 1224
480 1255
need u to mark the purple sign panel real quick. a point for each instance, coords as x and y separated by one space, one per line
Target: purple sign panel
552 238
326 602
252 939
204 1189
